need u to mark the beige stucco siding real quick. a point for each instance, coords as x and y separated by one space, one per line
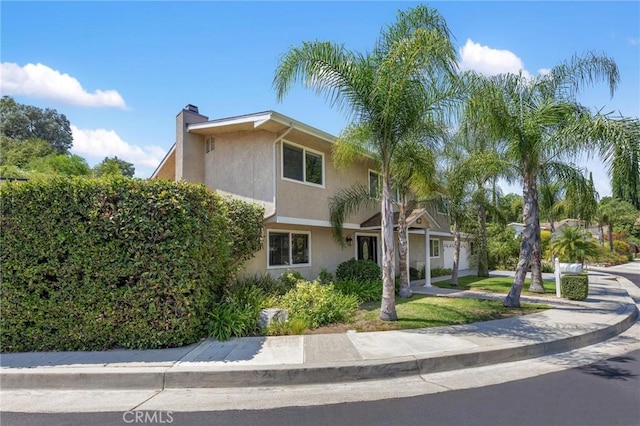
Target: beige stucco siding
189 149
242 164
168 168
325 253
302 200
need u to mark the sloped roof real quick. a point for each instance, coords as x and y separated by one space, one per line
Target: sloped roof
375 221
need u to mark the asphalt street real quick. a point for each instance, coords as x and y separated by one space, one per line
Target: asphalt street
605 393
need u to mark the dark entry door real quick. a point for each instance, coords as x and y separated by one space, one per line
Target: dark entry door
368 248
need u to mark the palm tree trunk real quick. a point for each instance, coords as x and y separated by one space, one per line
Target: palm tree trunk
600 234
483 257
610 225
530 213
388 304
403 243
456 252
536 265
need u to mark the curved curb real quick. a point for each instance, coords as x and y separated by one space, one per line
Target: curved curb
171 376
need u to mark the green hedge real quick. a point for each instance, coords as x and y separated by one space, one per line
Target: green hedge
574 287
95 264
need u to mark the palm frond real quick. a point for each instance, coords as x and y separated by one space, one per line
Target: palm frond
347 202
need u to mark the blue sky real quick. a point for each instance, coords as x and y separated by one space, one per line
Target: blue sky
121 71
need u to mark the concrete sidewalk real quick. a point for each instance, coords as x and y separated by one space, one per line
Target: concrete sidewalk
333 358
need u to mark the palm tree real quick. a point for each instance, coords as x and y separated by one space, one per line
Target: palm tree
573 244
532 115
413 172
620 150
613 212
386 95
478 161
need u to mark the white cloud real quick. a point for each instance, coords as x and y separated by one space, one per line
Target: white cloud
488 61
100 143
40 81
633 41
544 71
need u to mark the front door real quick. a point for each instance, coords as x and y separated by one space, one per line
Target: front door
367 247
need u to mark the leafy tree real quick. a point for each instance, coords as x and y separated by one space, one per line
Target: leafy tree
502 247
385 94
24 122
19 153
540 119
510 207
573 244
114 167
60 164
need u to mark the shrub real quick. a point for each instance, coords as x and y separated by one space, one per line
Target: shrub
439 272
318 304
269 285
574 287
325 277
621 247
236 315
365 291
93 264
359 270
294 326
414 274
547 266
290 278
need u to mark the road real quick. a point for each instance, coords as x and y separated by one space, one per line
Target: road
605 393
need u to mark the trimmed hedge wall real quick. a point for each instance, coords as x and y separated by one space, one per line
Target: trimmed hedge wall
96 264
574 287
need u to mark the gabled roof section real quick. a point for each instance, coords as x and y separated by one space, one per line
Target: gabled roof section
268 120
165 163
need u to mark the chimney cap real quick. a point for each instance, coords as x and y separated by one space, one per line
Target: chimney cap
192 108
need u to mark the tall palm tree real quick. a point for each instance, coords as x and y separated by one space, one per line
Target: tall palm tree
620 150
413 171
478 161
386 95
533 115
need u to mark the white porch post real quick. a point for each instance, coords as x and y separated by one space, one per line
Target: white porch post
427 260
408 258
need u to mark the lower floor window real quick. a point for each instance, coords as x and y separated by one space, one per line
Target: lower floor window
288 248
434 248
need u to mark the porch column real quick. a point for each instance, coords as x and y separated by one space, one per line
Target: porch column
408 259
427 260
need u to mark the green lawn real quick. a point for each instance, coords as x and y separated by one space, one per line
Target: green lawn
495 285
421 311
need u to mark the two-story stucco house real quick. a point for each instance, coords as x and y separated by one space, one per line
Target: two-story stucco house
285 166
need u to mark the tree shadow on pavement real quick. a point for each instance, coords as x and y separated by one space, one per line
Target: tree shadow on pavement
609 369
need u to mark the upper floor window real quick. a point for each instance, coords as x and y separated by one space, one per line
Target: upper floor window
375 186
302 164
442 206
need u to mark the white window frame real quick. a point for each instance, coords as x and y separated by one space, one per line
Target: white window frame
290 232
304 165
396 195
431 240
